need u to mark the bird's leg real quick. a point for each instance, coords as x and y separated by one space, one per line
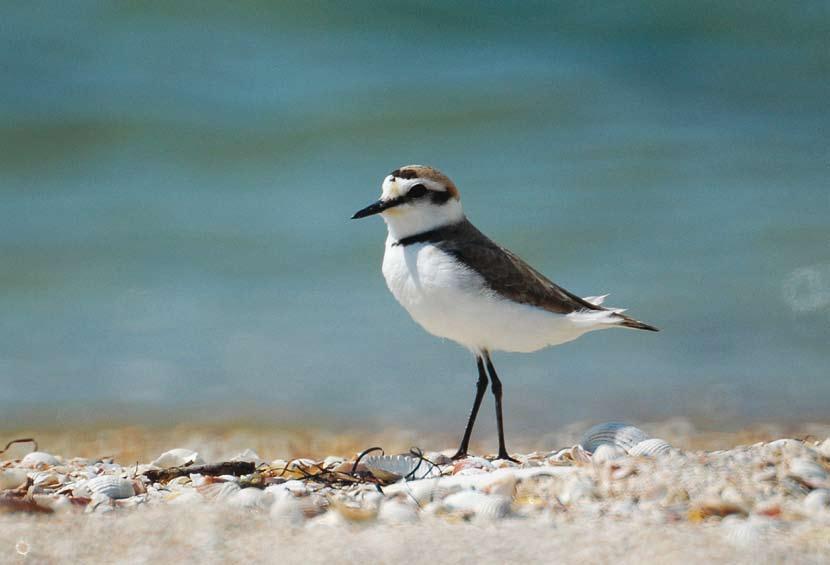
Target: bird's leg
481 387
496 388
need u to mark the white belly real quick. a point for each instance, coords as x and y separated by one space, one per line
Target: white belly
451 301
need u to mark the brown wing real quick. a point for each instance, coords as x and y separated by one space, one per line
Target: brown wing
506 273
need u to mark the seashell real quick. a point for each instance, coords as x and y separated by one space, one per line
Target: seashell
251 499
218 491
38 459
714 507
392 468
396 511
576 489
823 448
250 456
651 447
785 446
607 452
426 491
53 502
817 501
808 473
482 506
352 512
470 463
13 478
178 457
288 509
46 479
743 533
186 498
620 434
332 462
110 487
502 486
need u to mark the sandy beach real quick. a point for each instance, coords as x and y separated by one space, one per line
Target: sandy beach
758 494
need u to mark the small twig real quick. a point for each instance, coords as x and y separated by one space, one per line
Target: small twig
227 468
21 440
363 454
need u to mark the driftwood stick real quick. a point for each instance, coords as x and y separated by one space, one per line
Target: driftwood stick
227 468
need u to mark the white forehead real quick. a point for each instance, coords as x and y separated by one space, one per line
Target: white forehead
393 187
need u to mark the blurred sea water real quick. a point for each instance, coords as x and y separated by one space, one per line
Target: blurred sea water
176 181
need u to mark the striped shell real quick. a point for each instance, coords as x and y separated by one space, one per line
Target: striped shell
396 467
37 459
482 506
111 487
650 448
620 434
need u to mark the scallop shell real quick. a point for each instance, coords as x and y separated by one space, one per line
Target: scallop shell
13 478
37 459
392 468
178 457
650 448
218 490
482 506
620 434
110 487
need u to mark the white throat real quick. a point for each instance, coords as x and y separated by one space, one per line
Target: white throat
406 220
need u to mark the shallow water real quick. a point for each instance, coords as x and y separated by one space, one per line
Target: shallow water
176 187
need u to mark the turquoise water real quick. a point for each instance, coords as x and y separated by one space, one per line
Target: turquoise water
176 183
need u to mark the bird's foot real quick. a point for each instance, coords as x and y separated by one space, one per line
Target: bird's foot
504 455
460 454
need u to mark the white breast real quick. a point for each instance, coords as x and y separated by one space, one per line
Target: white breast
452 301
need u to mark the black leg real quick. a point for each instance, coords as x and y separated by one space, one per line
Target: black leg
481 387
496 388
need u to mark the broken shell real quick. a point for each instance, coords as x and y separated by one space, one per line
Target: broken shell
13 478
824 448
650 447
620 434
352 512
178 457
392 468
37 459
110 487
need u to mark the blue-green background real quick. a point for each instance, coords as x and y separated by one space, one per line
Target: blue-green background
176 181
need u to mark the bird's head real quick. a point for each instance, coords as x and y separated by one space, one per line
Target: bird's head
414 199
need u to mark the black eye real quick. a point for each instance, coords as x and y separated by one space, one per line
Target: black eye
417 191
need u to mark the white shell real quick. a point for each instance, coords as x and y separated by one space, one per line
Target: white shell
178 457
483 506
249 456
37 459
110 487
218 491
13 478
607 452
395 511
394 467
650 448
622 435
817 501
287 509
808 472
251 499
824 448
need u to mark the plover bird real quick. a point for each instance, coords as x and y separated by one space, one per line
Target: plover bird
459 284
